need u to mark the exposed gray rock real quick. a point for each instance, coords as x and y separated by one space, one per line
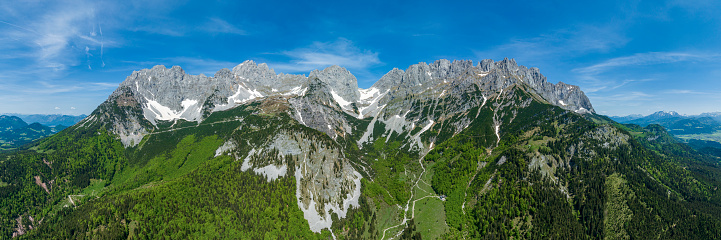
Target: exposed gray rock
165 94
340 81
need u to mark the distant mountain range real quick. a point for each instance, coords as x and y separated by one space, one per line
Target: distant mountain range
702 132
675 123
49 119
15 130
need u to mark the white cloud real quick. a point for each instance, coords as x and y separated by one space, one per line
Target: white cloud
560 44
649 58
213 25
319 55
55 36
217 25
72 108
604 76
624 97
57 108
691 92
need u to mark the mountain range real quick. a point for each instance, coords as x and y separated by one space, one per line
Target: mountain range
702 132
441 150
50 120
706 121
14 132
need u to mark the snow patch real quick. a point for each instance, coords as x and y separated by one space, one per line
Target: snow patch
371 103
498 128
562 103
300 91
366 94
155 111
342 102
300 116
242 95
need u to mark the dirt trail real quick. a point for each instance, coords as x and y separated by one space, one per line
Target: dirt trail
71 199
408 204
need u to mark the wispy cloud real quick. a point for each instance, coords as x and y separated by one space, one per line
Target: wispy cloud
341 52
211 26
595 85
217 25
58 37
649 58
625 97
604 76
561 43
690 92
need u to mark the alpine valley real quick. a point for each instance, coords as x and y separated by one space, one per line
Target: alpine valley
446 150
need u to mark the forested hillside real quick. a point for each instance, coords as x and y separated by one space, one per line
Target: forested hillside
484 152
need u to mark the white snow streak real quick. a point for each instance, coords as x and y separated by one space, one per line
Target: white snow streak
366 94
498 128
342 102
156 111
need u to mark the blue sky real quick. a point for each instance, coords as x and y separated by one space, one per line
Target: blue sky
628 56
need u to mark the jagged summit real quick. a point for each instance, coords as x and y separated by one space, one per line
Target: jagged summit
664 114
169 94
341 82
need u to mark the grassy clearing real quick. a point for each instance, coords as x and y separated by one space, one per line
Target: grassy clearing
430 218
534 144
430 215
95 189
388 216
617 211
716 136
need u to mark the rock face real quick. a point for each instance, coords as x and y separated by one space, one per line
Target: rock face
165 94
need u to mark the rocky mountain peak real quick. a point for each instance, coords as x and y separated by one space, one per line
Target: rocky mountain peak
664 114
223 73
390 79
169 94
340 81
256 74
444 69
